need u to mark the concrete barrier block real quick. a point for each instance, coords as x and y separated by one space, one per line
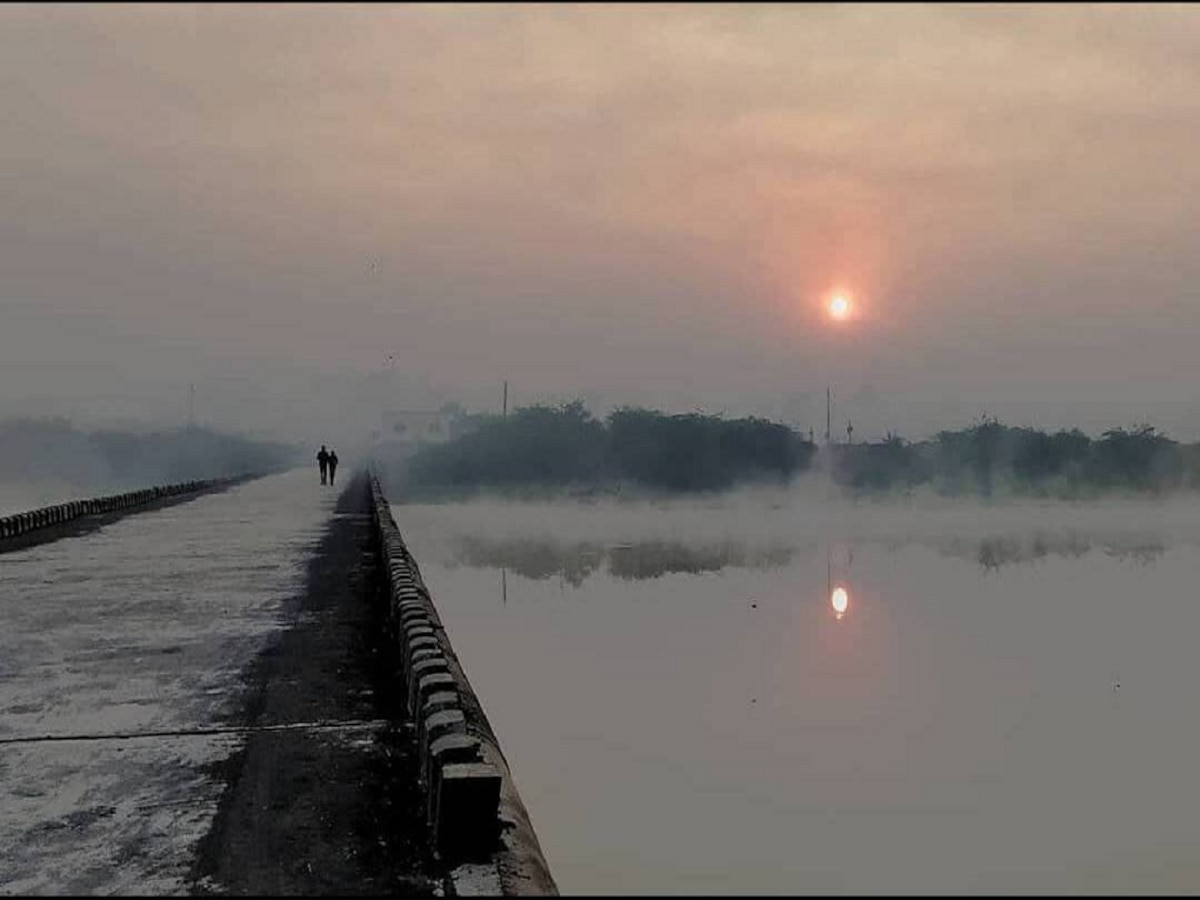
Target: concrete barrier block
432 660
409 601
423 653
410 633
415 671
415 627
418 644
399 607
438 701
430 685
410 630
455 747
466 810
448 721
414 612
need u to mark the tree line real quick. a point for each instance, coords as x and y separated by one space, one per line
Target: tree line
565 446
989 456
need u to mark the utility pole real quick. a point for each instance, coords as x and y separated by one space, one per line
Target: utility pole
828 409
504 408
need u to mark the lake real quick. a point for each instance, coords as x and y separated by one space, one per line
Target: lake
783 693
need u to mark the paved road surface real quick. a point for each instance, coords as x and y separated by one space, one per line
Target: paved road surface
132 661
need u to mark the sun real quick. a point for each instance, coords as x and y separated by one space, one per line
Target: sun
839 306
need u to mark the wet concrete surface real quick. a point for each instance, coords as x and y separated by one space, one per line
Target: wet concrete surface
137 661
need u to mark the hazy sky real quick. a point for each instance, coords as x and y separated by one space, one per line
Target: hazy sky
629 203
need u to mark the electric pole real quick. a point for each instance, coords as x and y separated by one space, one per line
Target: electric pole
504 408
828 411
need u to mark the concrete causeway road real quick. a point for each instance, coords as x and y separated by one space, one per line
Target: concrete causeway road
191 699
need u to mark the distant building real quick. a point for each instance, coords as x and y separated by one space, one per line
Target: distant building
417 426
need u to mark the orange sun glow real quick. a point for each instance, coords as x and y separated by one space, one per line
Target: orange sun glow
839 306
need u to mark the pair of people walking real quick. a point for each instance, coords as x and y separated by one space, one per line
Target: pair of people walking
327 460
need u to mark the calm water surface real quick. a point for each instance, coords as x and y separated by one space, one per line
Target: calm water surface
1004 699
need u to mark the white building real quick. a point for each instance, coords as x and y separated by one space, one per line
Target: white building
416 426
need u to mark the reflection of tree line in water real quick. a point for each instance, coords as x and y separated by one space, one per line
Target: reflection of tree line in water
994 552
575 562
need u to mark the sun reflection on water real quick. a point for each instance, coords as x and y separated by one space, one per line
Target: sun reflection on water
840 601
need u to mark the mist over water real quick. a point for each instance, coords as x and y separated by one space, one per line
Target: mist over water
790 691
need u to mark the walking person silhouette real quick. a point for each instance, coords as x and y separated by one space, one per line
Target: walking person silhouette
332 464
323 462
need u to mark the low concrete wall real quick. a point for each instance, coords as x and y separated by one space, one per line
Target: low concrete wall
25 524
479 824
